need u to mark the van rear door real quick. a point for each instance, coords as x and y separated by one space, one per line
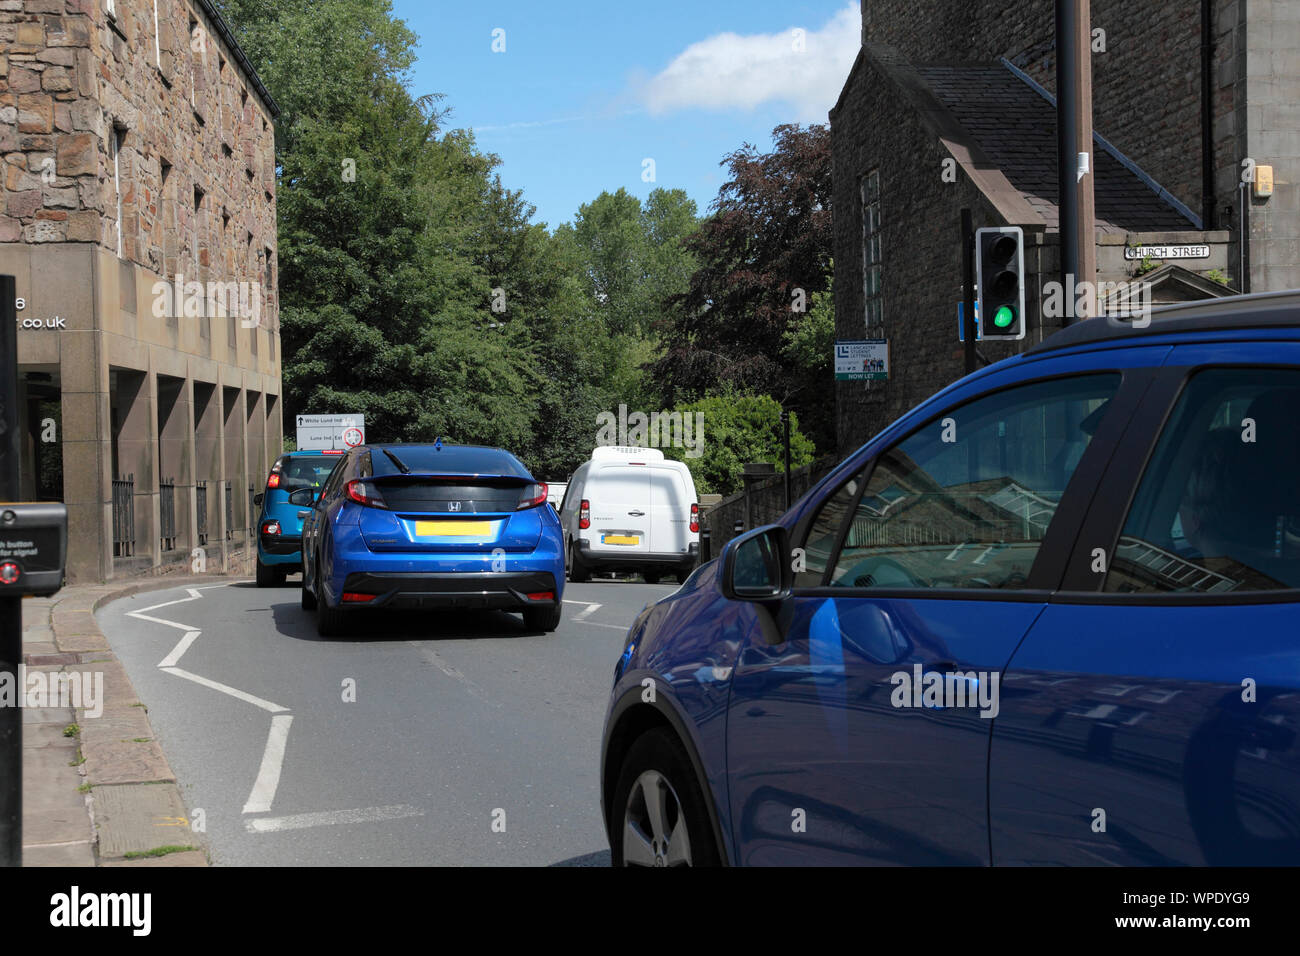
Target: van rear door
670 511
620 508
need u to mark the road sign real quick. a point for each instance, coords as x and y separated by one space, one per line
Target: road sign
862 360
330 432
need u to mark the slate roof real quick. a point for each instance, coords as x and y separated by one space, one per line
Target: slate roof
1019 137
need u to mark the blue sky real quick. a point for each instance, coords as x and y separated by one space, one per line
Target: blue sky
587 90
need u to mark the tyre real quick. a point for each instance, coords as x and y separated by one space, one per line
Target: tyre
659 811
542 618
267 576
330 621
651 577
578 572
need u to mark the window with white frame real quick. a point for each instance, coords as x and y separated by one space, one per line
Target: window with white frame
871 261
115 144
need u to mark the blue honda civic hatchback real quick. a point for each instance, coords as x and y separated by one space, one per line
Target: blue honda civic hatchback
430 526
1051 616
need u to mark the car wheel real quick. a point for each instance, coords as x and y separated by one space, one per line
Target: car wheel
660 813
578 572
651 577
267 576
543 618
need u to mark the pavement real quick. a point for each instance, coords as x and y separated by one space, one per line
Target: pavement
97 788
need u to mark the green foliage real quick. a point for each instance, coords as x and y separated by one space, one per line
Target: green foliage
1217 275
739 429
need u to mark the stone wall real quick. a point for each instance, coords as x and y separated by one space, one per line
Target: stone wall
72 79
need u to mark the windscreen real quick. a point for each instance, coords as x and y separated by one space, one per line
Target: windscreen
450 496
306 472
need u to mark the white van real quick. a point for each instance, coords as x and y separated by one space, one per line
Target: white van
630 509
555 493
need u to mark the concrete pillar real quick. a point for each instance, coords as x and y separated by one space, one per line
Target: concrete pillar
175 452
87 455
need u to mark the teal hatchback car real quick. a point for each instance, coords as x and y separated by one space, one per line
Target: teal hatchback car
279 526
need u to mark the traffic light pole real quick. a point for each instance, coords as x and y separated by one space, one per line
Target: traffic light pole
11 608
1073 138
968 288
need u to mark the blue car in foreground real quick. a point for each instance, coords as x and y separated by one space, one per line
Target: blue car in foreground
1051 616
429 527
279 527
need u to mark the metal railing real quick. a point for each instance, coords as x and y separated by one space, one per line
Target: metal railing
124 516
230 513
167 513
252 512
201 510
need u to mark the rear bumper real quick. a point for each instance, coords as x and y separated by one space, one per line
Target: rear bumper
616 560
281 546
504 590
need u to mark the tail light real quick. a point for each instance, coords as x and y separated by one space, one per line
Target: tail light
354 597
695 519
541 596
270 527
584 514
532 495
364 493
273 479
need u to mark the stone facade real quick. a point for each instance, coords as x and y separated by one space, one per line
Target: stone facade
138 146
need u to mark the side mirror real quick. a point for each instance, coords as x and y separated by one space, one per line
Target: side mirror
757 566
257 498
302 497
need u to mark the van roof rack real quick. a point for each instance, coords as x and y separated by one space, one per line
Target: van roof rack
1259 310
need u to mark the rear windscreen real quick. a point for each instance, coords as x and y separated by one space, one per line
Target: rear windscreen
450 497
306 472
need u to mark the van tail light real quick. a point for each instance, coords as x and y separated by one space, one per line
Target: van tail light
695 519
532 496
364 493
584 514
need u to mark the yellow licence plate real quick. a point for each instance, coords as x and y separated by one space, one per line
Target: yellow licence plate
454 529
621 539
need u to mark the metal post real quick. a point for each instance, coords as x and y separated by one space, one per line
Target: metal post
706 546
1067 143
968 288
785 437
11 608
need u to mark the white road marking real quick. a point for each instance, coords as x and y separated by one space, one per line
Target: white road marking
583 615
225 689
299 821
432 657
172 659
615 627
268 777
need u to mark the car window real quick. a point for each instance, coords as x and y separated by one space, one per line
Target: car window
823 534
1218 508
336 477
966 501
306 472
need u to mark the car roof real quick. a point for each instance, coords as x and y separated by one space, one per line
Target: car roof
1260 310
447 459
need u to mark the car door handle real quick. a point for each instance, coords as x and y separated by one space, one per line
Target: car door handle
303 514
637 514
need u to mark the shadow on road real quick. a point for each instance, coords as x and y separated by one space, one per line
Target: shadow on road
373 626
587 859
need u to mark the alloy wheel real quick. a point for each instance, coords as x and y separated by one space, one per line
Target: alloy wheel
654 827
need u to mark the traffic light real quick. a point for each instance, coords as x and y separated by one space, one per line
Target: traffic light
1000 274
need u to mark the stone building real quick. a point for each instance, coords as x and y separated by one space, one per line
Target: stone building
950 106
138 216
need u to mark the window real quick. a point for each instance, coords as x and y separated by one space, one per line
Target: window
1218 509
871 260
115 141
823 533
966 501
110 6
157 41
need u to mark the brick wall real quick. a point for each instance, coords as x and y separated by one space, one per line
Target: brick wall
70 76
1146 85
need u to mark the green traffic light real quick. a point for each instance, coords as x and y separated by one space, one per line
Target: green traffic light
1004 316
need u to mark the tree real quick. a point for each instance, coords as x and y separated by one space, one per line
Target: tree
764 253
737 429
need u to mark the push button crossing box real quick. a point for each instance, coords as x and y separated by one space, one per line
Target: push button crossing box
33 547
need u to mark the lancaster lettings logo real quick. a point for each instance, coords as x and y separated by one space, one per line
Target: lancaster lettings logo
75 909
938 690
84 690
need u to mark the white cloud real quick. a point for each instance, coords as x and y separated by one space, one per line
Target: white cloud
730 71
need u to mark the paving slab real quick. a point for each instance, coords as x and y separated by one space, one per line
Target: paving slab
63 854
185 858
138 818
